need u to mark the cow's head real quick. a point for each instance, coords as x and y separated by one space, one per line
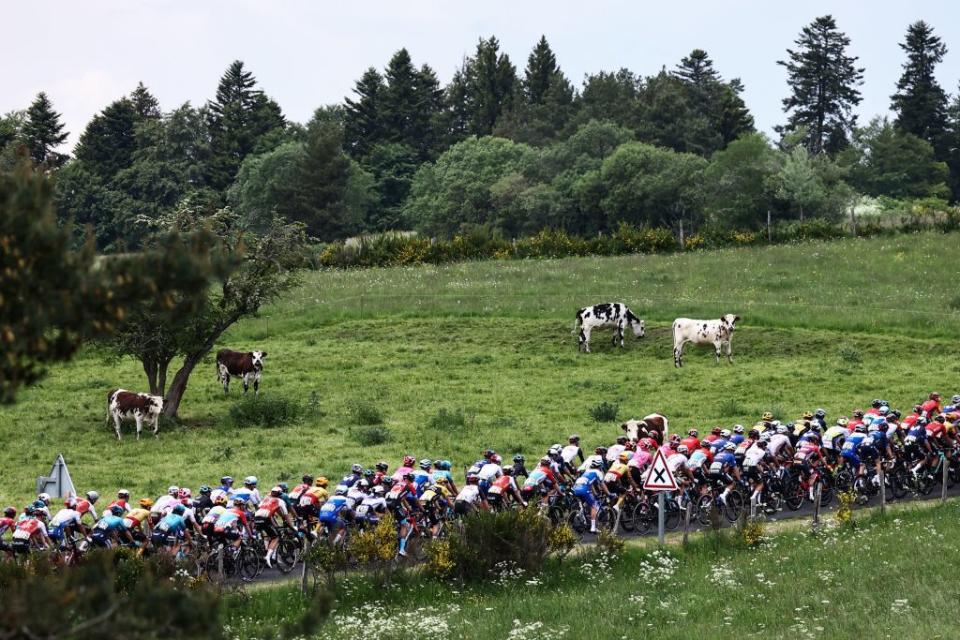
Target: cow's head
632 429
730 321
639 329
257 359
156 404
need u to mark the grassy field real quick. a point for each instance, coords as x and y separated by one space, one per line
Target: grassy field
458 358
846 582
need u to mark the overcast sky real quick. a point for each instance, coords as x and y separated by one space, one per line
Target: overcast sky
309 53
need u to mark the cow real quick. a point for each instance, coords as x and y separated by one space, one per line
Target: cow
244 365
123 404
608 314
703 332
654 425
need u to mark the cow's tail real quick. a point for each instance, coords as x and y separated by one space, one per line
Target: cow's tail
576 323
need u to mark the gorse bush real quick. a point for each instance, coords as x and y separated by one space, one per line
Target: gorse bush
604 412
518 538
264 412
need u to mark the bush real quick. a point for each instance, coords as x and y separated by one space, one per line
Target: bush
446 419
730 408
604 412
849 355
490 541
372 435
366 414
264 412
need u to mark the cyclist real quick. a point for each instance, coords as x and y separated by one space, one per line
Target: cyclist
572 451
613 453
505 489
780 447
110 529
441 475
435 501
422 477
380 471
232 526
373 506
717 445
724 470
86 504
164 504
519 467
312 499
137 521
931 408
225 489
30 532
618 478
171 532
356 473
65 524
300 489
542 480
271 512
585 486
249 491
204 502
209 522
123 497
692 440
809 457
713 435
7 523
834 437
737 436
405 468
917 447
755 463
469 497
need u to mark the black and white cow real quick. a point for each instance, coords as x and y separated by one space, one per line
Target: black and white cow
123 404
244 365
608 314
703 332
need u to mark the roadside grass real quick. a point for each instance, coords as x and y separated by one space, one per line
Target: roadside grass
448 361
846 582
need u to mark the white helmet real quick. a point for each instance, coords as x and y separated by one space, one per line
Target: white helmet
44 497
725 433
173 491
250 480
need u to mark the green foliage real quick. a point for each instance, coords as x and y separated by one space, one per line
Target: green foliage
367 414
491 542
891 162
267 411
42 132
604 412
920 102
372 435
447 420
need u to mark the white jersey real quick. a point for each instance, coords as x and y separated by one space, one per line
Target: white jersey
613 453
754 456
164 505
676 462
470 493
570 452
777 442
65 517
355 496
490 472
586 463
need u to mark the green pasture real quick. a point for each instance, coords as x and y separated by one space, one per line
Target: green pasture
458 358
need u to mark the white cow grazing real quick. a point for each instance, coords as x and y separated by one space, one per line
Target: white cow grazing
608 314
703 332
142 407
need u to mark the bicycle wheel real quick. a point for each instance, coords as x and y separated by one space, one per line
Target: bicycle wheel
844 480
288 554
793 494
606 518
628 517
249 565
704 506
733 506
898 483
672 515
578 522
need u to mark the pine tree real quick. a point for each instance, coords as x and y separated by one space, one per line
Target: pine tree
145 103
492 84
107 144
920 102
697 69
540 72
363 126
43 132
239 117
824 81
457 106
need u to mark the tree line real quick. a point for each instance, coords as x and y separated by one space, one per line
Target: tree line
506 150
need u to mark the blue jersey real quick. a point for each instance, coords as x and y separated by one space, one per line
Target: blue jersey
172 525
589 478
718 445
736 438
109 523
440 476
421 479
880 439
726 459
330 511
918 433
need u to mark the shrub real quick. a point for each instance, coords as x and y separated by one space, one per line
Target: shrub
730 408
445 419
562 540
604 412
372 435
752 531
376 549
489 541
849 355
264 412
366 414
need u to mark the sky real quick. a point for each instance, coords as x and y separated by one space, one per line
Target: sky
310 53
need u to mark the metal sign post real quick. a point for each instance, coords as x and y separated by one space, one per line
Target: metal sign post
660 479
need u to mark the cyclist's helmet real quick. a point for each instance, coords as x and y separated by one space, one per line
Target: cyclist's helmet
725 433
473 479
220 499
858 413
409 461
28 510
363 484
519 459
146 503
408 476
876 403
762 443
239 502
738 428
600 451
446 465
621 439
508 471
624 456
340 490
554 451
276 491
683 449
117 510
10 512
425 464
177 509
955 400
815 427
387 481
807 415
783 429
596 463
767 416
630 446
754 434
185 493
489 453
873 428
716 431
322 481
575 439
382 466
693 433
307 479
764 437
676 437
226 480
821 413
205 490
93 496
70 503
356 468
173 491
884 409
284 487
940 419
44 498
934 395
729 447
250 481
123 494
368 474
842 421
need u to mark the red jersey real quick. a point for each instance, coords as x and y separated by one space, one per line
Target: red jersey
930 408
708 452
268 507
241 514
692 443
503 482
30 526
935 430
910 420
117 503
298 491
711 438
5 524
667 450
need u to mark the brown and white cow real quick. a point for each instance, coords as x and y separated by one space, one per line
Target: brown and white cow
244 365
123 404
704 332
654 425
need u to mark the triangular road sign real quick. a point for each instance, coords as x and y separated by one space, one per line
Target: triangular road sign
659 477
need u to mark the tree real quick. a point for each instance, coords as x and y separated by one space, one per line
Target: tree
712 100
43 132
53 298
145 103
798 183
610 96
266 266
920 102
823 80
363 126
240 118
392 167
738 182
107 144
11 139
894 163
540 72
491 86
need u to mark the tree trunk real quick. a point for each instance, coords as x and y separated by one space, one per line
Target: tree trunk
801 213
162 376
178 387
150 368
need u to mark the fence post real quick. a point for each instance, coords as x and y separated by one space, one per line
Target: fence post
769 232
946 469
306 562
681 235
686 521
816 504
883 491
361 306
853 219
661 507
